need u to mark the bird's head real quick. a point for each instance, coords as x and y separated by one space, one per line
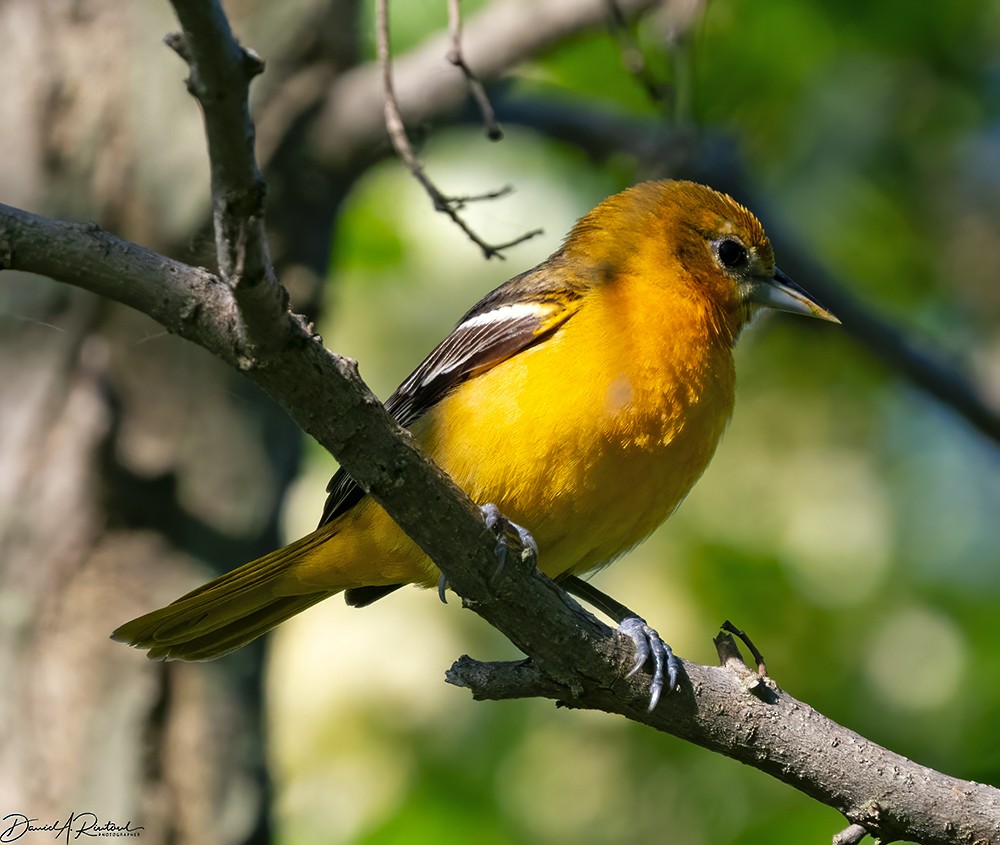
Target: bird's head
695 241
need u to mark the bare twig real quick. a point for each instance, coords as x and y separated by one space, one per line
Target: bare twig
461 200
457 58
850 836
220 74
401 144
745 639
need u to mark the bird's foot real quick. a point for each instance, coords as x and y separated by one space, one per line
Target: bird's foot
648 644
499 525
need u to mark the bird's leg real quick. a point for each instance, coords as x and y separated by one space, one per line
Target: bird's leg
500 525
648 643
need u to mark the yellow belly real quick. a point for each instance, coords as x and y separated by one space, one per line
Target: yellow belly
590 459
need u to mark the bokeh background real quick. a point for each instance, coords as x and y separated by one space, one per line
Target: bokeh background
849 519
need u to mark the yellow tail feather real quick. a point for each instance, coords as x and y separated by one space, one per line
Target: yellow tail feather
230 611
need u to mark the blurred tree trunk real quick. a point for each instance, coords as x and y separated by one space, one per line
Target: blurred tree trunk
131 459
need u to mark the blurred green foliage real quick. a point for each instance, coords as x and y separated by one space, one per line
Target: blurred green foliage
848 522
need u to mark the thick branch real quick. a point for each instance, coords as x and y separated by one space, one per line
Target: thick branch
576 659
887 795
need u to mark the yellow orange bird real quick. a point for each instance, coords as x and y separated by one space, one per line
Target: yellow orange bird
583 399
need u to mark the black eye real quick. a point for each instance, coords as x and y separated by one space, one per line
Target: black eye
732 253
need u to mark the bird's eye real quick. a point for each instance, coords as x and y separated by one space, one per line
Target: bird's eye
732 254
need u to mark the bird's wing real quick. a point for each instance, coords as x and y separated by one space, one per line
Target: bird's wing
515 316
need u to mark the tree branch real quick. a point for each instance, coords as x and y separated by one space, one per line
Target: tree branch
850 836
731 712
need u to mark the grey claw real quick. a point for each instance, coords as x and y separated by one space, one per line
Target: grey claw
648 644
499 524
530 546
442 585
492 515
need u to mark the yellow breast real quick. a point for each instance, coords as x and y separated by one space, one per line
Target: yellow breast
592 438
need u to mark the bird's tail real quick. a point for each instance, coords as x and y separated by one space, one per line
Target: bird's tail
228 612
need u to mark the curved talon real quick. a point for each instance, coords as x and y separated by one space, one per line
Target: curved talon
499 525
442 586
530 546
648 644
495 522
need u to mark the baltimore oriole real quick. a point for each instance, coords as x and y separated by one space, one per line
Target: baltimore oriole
582 398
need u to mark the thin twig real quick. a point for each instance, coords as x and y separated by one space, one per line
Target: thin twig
745 639
462 199
493 130
401 143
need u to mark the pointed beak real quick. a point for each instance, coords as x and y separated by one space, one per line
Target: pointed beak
782 294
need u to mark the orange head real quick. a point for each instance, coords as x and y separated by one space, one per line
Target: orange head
693 238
